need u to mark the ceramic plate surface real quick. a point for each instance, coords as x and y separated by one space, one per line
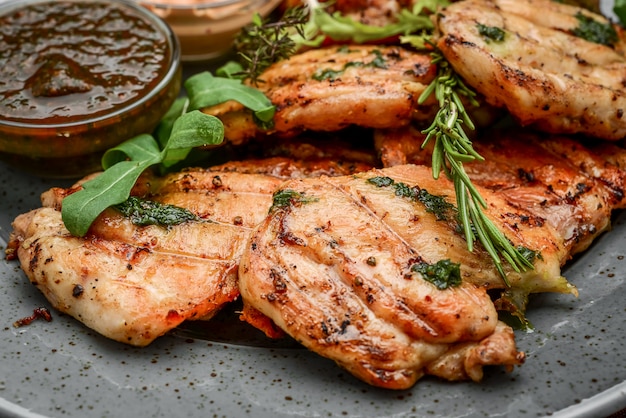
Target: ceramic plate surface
575 367
575 357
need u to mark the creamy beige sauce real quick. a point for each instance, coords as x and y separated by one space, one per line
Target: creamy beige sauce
207 29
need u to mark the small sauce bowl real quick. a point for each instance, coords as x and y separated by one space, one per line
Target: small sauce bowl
79 77
207 28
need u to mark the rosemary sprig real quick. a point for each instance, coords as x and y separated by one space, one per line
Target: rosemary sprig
452 148
264 42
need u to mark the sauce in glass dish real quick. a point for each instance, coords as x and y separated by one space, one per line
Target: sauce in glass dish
78 77
61 61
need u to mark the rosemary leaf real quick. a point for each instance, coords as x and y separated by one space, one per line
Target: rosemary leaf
451 149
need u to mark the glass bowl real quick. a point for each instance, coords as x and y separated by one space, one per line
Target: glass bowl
206 29
79 77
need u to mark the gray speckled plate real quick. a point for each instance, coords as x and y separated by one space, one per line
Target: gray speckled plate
576 358
576 364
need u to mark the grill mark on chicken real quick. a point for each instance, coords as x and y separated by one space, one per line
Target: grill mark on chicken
543 74
373 319
375 293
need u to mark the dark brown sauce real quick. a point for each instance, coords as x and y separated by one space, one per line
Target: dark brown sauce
61 61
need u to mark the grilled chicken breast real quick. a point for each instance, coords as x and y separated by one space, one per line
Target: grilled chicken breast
342 264
338 265
134 283
331 88
530 57
334 263
560 181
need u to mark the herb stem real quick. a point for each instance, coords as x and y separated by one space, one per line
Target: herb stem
451 149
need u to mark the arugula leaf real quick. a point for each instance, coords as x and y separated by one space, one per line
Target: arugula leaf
206 90
182 129
342 28
164 129
619 8
124 164
142 147
191 130
232 69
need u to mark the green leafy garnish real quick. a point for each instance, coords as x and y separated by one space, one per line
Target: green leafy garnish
264 42
205 90
492 33
619 8
286 197
342 28
147 212
443 274
591 30
124 164
452 148
182 129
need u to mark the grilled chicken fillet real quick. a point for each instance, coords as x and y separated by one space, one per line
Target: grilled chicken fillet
571 185
134 283
334 265
331 88
541 70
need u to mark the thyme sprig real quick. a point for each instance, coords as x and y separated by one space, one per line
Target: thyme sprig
451 149
264 42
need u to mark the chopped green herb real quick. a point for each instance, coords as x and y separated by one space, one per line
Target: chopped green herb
332 75
146 212
442 274
593 31
288 197
492 33
327 74
436 205
380 181
404 190
378 61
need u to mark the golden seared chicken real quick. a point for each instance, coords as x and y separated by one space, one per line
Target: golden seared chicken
371 271
556 67
331 88
133 283
560 181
